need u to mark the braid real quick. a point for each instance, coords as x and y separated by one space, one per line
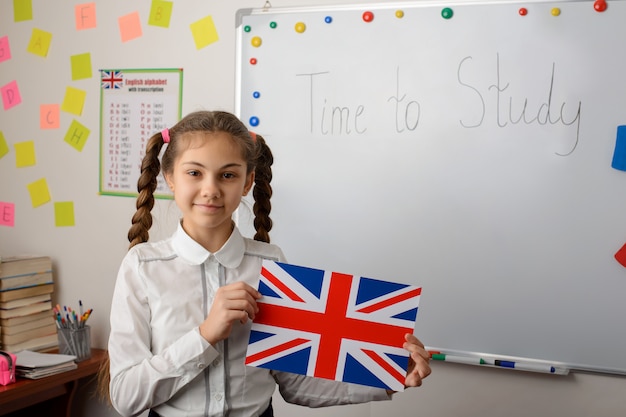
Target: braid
147 183
262 191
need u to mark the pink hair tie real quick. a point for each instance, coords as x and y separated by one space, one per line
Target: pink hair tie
166 135
252 135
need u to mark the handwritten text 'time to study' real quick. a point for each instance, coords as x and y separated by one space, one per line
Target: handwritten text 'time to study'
491 105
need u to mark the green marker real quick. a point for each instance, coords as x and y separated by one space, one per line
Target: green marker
468 360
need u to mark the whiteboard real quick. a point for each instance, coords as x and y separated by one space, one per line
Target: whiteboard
470 155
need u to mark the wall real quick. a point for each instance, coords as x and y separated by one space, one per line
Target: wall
86 256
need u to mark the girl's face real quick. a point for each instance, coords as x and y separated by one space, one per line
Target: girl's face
208 180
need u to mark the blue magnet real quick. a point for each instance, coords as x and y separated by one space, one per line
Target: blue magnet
256 94
619 155
328 19
254 121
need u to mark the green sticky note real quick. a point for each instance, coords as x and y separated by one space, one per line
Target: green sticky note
81 66
73 101
39 193
4 148
204 32
39 42
160 13
25 154
64 213
22 10
77 135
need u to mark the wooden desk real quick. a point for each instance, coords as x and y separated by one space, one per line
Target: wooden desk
51 395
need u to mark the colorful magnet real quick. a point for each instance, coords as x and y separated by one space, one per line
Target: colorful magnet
619 154
254 121
399 14
252 61
447 13
600 5
523 11
247 28
273 25
256 94
256 42
300 27
555 11
328 19
620 256
368 16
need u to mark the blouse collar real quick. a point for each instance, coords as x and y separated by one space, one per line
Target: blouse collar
230 255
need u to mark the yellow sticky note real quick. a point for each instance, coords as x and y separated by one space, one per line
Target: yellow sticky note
160 13
39 193
204 32
130 26
22 10
74 101
39 42
25 154
85 15
81 66
64 213
49 116
4 148
77 135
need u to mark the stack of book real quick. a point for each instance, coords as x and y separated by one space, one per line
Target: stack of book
35 365
26 317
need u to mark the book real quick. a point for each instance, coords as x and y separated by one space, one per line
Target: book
25 280
35 365
24 265
14 294
20 302
39 344
25 310
32 324
14 321
12 339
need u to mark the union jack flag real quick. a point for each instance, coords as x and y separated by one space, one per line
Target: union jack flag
332 325
112 79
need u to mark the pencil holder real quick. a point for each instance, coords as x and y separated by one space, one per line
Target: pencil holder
75 341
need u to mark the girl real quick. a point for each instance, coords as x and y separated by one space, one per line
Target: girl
182 307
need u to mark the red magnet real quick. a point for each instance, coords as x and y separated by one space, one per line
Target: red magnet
252 61
368 16
600 5
620 256
523 11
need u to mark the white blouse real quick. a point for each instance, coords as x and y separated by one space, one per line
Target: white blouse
159 360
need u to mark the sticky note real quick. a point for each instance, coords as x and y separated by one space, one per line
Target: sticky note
85 15
130 26
77 135
7 214
5 49
39 193
73 101
81 66
49 117
4 148
160 13
620 256
25 154
10 95
22 10
619 154
64 213
204 32
39 42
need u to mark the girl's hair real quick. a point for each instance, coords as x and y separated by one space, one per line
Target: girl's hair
255 152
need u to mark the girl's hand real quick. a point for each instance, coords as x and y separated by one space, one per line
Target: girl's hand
418 361
233 302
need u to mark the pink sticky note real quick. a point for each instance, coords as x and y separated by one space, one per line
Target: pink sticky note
130 26
5 49
85 16
49 116
7 214
10 95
